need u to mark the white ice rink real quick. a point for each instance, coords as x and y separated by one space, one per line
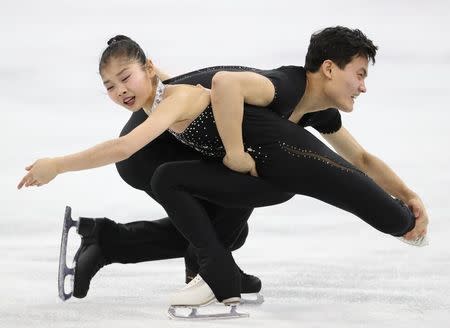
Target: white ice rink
320 266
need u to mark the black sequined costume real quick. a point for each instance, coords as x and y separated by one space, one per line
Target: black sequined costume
289 83
286 155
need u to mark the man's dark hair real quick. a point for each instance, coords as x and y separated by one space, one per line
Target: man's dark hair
338 44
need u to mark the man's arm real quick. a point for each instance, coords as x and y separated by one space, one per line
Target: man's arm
347 146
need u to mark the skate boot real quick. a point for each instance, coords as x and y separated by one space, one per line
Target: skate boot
197 294
88 258
249 285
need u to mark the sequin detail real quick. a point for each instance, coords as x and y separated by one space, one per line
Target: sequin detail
159 94
202 134
292 150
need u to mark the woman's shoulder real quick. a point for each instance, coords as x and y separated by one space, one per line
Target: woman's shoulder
189 99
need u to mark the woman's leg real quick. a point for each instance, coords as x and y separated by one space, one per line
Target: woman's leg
180 190
228 222
216 264
142 241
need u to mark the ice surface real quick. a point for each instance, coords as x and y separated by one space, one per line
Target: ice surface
320 267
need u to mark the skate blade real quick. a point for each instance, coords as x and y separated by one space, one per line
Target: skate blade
194 315
64 271
250 301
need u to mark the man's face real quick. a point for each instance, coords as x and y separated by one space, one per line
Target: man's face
346 84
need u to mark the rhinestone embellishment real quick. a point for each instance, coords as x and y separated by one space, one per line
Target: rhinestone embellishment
160 88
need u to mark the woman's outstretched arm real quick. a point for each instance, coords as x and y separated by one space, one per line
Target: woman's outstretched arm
169 111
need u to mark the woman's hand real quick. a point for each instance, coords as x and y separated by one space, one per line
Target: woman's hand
39 173
418 208
241 162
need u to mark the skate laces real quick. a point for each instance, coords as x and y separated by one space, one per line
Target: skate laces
197 279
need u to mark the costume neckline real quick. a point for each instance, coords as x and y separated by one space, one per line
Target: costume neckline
159 94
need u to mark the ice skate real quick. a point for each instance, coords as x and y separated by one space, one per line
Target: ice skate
87 260
418 242
65 271
197 294
250 287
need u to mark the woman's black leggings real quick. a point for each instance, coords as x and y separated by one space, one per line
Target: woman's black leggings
291 159
158 239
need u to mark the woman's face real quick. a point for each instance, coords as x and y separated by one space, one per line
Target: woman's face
128 83
346 84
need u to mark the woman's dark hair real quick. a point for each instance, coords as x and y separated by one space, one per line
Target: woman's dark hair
122 46
338 44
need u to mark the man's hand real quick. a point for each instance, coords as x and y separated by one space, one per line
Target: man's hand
418 208
240 162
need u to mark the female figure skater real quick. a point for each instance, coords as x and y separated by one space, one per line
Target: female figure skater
105 242
286 155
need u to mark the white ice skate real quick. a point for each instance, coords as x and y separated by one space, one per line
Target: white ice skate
64 271
418 242
197 294
250 291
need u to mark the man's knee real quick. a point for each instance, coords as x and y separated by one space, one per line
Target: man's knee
133 173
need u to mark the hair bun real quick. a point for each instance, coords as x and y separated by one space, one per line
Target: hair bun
118 38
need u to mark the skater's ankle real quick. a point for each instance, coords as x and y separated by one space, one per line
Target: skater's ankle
190 275
90 227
